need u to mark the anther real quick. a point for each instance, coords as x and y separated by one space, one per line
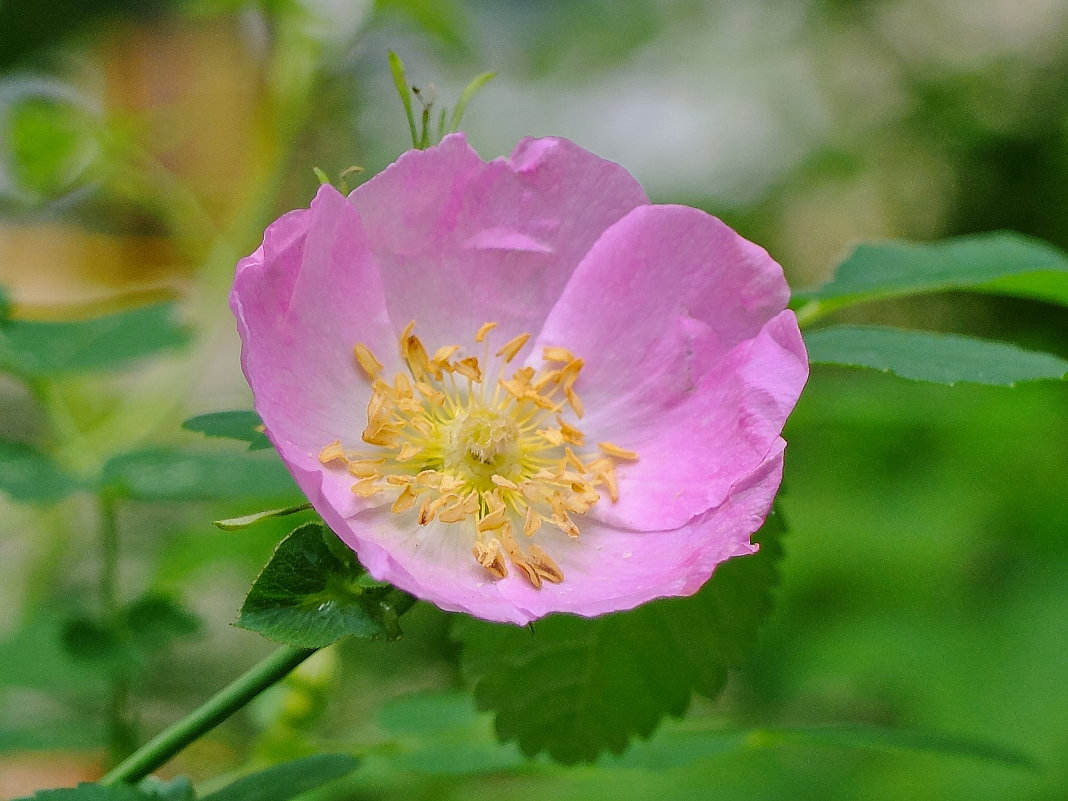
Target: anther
614 450
367 361
553 354
512 347
332 453
469 368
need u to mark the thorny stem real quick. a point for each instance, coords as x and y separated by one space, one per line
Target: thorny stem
210 714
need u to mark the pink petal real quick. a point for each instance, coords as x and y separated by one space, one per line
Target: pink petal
302 300
605 570
690 359
462 242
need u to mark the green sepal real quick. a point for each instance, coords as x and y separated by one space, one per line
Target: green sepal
313 592
244 521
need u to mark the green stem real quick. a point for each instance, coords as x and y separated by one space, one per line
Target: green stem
210 714
121 737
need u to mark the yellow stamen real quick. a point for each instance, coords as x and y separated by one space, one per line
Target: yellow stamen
332 453
512 347
501 481
367 361
553 354
614 450
404 501
497 462
574 402
469 368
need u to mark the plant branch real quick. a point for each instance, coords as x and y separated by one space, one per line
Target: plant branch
210 714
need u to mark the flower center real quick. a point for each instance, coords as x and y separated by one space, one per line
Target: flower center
498 454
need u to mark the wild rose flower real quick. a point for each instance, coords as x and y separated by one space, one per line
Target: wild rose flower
516 387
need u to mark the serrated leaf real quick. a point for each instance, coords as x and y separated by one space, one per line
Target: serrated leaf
999 262
240 425
925 356
91 792
110 341
172 474
289 779
312 593
576 687
29 476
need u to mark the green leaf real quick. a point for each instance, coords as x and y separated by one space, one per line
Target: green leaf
171 474
238 523
110 341
688 741
177 789
92 792
924 356
28 476
576 687
52 140
240 425
1000 262
87 639
282 782
878 738
155 620
55 735
441 733
146 625
313 592
35 657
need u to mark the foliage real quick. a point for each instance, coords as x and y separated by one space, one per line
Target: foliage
313 592
914 649
557 687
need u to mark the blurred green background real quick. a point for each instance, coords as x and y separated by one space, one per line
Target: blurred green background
145 145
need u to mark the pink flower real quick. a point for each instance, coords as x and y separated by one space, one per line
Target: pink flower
516 387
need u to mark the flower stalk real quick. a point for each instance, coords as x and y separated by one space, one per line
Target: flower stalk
210 714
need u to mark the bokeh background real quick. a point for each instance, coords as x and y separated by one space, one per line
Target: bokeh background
145 145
